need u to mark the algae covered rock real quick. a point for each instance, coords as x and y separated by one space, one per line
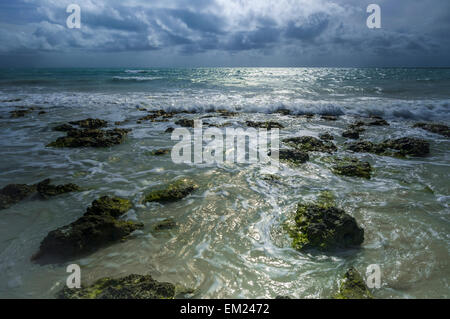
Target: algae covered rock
310 144
329 117
294 156
353 134
91 138
14 193
97 227
46 190
408 146
64 128
160 152
90 123
267 125
434 128
173 192
325 227
326 137
129 287
352 167
185 123
353 287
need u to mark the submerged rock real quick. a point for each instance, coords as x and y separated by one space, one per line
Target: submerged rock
326 137
293 156
97 227
185 123
173 192
329 117
353 134
166 224
129 287
310 144
434 128
377 121
353 287
353 167
14 193
91 138
64 128
162 151
19 113
323 226
90 123
267 125
46 190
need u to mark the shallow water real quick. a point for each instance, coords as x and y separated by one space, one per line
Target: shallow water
229 243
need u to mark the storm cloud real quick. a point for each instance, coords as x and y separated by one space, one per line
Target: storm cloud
224 32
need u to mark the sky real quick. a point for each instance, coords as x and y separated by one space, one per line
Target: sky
224 33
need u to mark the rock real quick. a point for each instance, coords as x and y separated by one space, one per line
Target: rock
46 190
14 193
378 122
226 113
283 111
90 123
185 123
353 167
326 137
162 151
91 138
310 144
19 113
64 128
434 128
408 146
364 146
173 192
169 130
129 287
293 156
282 297
266 125
166 224
42 112
329 117
353 287
99 226
323 226
353 134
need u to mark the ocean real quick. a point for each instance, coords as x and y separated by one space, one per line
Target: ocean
230 241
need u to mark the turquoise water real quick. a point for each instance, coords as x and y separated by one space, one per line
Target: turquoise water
230 242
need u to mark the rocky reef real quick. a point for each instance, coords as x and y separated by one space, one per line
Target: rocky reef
91 138
323 226
129 287
293 156
90 123
14 193
97 227
440 129
353 287
173 192
310 144
393 147
352 167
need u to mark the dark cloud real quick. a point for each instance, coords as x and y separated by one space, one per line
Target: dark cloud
294 31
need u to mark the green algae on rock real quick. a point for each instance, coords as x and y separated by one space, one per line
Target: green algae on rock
46 190
129 287
91 138
310 144
352 167
353 287
185 123
353 134
323 226
293 156
434 128
326 137
173 192
97 227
